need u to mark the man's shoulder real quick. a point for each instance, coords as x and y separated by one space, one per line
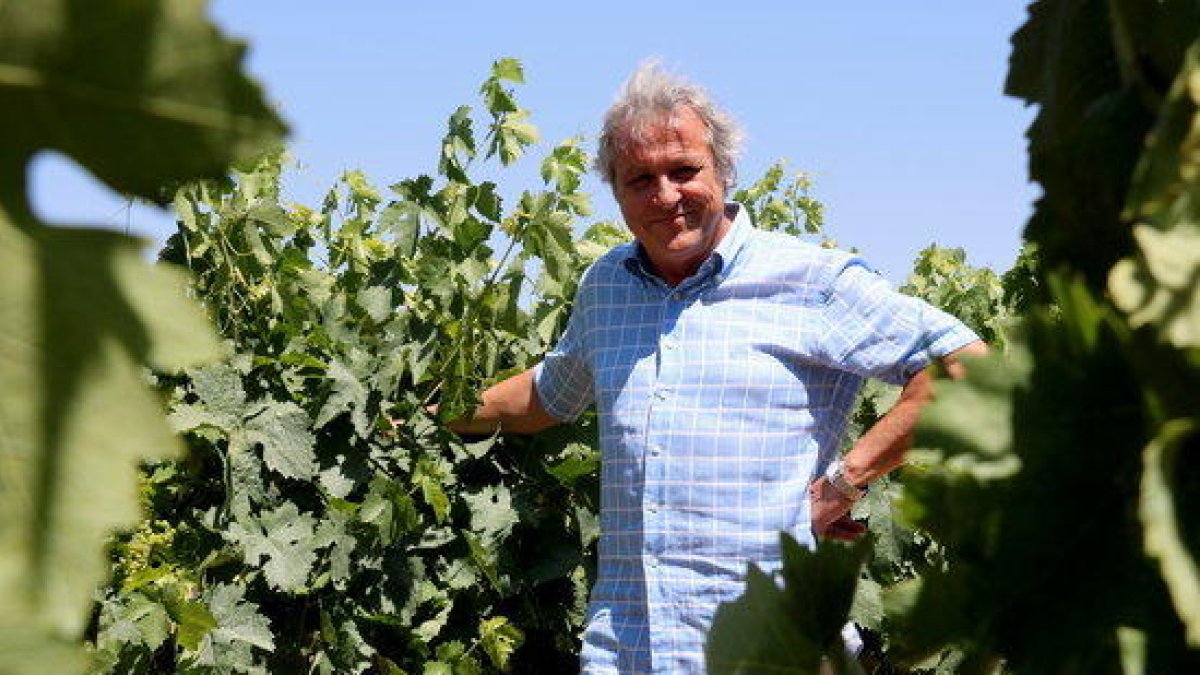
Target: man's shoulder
617 255
611 265
782 252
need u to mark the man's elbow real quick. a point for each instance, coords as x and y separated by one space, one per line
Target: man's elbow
953 361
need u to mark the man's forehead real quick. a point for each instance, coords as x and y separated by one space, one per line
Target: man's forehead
680 127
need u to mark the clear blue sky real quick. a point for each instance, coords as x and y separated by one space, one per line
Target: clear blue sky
895 108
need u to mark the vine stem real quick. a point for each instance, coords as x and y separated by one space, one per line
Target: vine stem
227 476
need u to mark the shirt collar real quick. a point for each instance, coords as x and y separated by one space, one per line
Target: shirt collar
720 263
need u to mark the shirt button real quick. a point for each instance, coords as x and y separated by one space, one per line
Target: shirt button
656 450
677 295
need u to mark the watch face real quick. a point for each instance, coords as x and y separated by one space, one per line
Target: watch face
834 468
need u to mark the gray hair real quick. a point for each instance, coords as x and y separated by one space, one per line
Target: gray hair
651 94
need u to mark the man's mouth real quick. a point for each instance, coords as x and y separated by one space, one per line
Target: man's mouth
672 218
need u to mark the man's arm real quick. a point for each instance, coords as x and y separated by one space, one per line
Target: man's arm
511 406
882 448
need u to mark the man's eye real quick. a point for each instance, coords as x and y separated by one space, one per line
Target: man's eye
639 181
685 173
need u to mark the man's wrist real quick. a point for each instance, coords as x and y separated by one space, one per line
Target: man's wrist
835 475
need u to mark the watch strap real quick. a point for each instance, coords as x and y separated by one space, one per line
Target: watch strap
836 475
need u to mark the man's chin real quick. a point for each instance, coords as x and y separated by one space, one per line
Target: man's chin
686 242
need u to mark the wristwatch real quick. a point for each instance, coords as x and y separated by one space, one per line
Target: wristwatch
836 475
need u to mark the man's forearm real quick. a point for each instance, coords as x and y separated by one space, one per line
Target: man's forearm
511 406
882 448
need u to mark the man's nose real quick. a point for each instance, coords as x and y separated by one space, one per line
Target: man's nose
666 193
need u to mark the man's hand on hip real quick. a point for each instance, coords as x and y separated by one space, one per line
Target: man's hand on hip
831 513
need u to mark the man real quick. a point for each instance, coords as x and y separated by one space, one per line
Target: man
723 362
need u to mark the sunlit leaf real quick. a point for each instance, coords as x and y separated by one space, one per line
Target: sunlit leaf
1165 539
791 629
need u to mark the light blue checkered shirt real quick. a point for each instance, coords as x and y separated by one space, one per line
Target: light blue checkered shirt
719 401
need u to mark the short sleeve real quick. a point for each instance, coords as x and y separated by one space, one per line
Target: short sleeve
563 379
875 331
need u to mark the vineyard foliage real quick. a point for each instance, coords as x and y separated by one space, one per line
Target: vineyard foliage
141 97
304 532
1059 478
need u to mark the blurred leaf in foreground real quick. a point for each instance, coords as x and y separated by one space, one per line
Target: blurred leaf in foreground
141 93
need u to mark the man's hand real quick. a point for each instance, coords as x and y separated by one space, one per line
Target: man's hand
511 406
831 513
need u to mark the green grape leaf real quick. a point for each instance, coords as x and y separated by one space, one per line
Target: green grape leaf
1097 72
1034 470
499 639
338 480
492 514
429 629
346 394
511 135
77 321
508 69
282 429
403 221
573 467
1164 536
284 432
485 559
376 301
346 649
1160 285
140 94
360 188
193 621
459 656
973 295
794 628
390 509
891 538
133 619
334 533
240 629
281 542
247 483
429 478
498 99
458 146
564 167
867 609
222 400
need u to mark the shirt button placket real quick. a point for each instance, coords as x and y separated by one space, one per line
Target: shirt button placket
654 519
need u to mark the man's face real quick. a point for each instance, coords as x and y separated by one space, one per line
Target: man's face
671 195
